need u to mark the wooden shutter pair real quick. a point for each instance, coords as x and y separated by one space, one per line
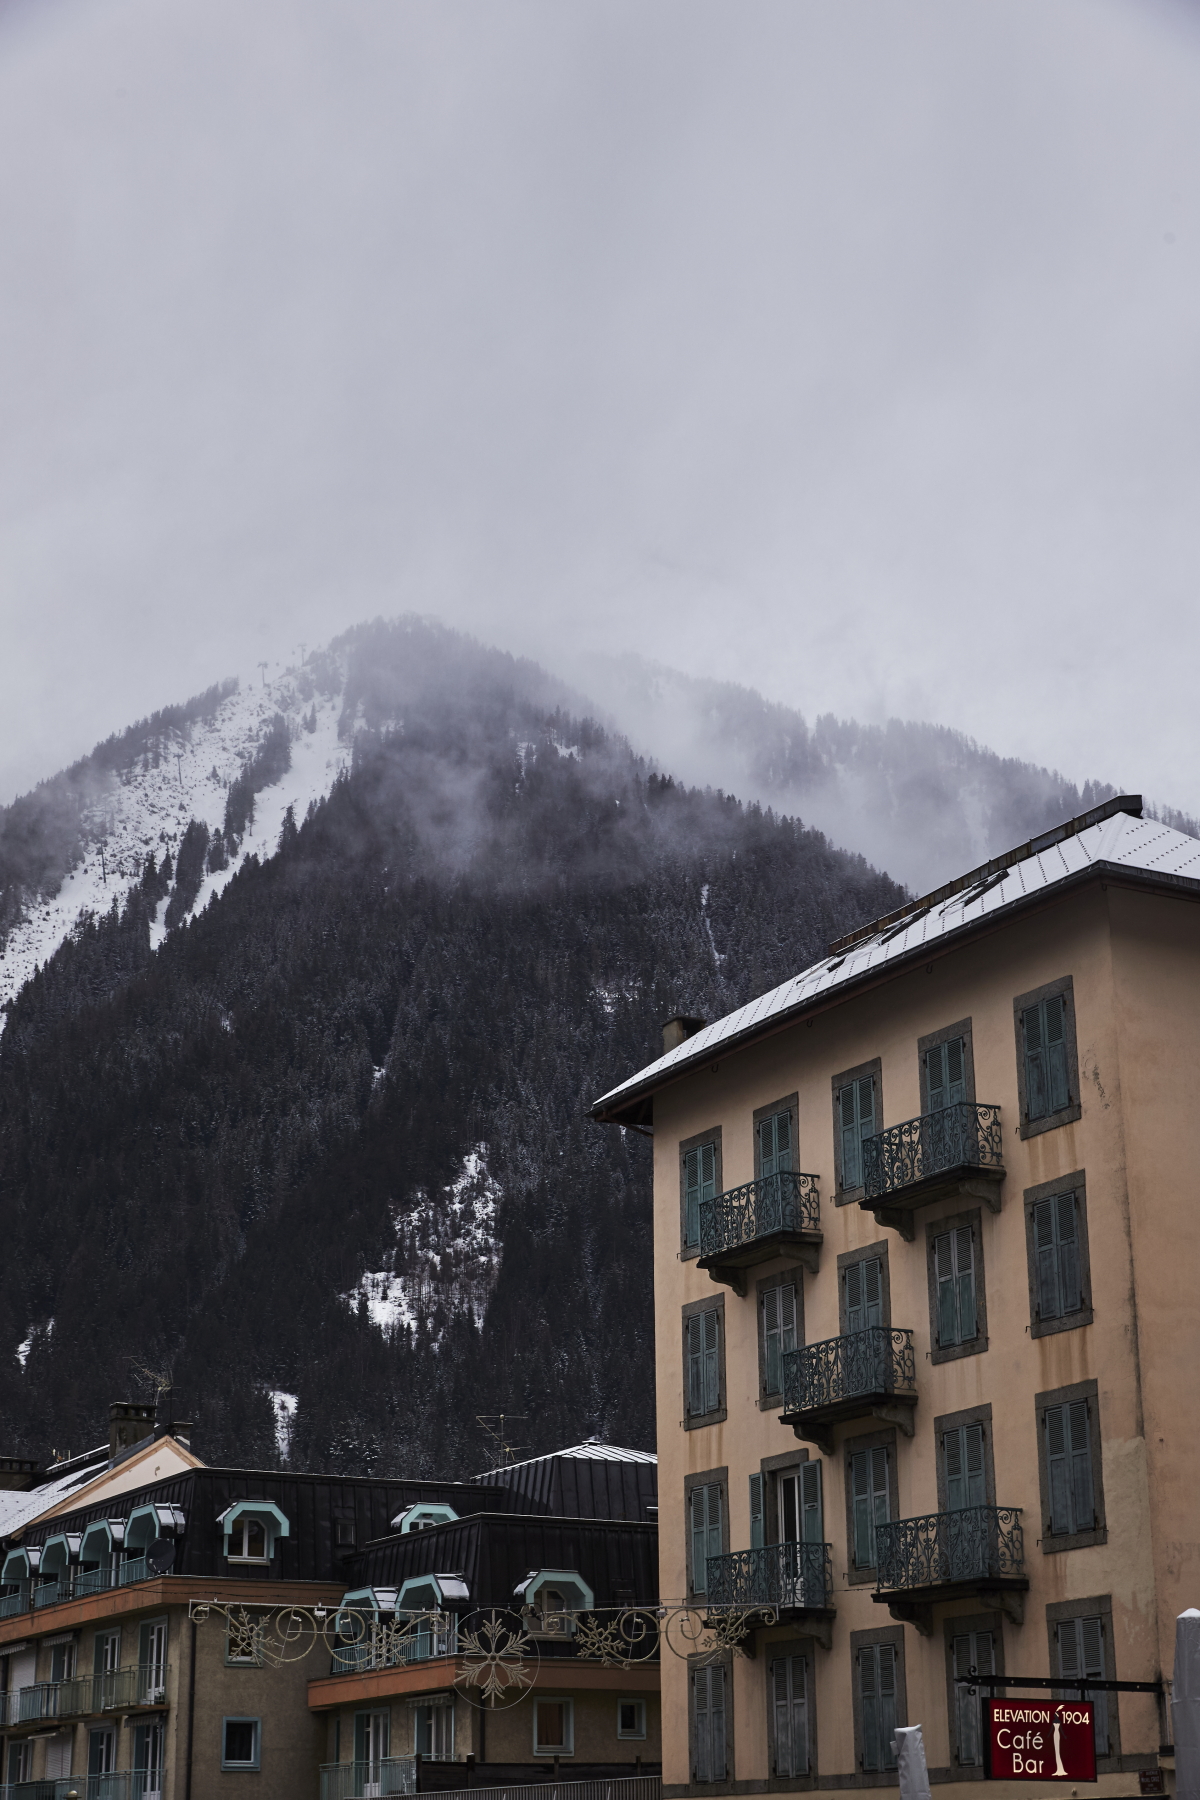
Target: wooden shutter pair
1080 1654
945 1068
871 1501
789 1698
699 1183
863 1284
877 1695
856 1107
954 1273
1069 1468
1047 1088
708 1724
779 1333
962 1451
973 1651
1056 1251
775 1144
706 1532
704 1364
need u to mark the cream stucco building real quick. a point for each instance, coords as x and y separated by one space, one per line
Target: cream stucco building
926 1255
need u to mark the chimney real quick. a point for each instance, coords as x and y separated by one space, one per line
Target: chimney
129 1422
678 1029
166 1422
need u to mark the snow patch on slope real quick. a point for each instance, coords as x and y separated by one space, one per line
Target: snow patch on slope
146 812
445 1260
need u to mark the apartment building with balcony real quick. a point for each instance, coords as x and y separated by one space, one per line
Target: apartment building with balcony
925 1260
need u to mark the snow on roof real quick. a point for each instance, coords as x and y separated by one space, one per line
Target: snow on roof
1113 836
591 1450
18 1509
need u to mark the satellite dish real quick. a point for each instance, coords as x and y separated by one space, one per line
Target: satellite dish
161 1555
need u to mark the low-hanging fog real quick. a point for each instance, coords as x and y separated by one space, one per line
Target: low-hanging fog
844 351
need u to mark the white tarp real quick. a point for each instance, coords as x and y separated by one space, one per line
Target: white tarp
1185 1705
910 1759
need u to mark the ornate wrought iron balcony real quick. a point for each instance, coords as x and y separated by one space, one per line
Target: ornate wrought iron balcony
749 1224
954 1151
788 1578
979 1550
868 1374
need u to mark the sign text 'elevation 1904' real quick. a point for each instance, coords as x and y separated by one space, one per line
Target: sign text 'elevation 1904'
1040 1740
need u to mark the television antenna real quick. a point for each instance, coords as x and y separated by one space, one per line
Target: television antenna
495 1425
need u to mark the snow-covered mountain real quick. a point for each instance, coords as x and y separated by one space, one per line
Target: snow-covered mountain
144 808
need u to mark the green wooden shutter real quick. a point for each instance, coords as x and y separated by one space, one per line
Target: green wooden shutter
1058 1470
872 1277
1055 1030
870 1502
1080 1655
851 1142
708 1723
954 1274
712 1362
962 1450
789 1692
1066 1231
811 1510
956 1080
1045 1250
691 1185
877 1692
974 1650
757 1528
935 1074
695 1366
852 1276
772 1347
699 1540
1083 1496
1037 1093
774 1144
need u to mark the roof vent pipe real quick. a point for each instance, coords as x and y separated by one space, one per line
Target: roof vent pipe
678 1029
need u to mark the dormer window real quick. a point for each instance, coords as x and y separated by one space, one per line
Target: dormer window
248 1542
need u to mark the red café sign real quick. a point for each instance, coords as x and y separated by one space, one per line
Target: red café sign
1040 1740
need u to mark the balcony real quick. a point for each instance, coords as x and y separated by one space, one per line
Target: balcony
868 1374
977 1553
120 1785
16 1602
82 1696
391 1646
363 1780
73 1584
777 1216
795 1581
949 1153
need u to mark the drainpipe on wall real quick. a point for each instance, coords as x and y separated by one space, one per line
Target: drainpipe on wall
187 1780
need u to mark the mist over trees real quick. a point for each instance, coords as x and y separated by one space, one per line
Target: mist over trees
204 1150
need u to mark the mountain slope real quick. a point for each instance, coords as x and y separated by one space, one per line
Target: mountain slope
327 1140
920 800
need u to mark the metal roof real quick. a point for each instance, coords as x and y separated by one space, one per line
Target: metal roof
1112 838
591 1450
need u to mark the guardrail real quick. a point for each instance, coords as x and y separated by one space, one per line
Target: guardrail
969 1545
961 1136
879 1360
776 1575
785 1202
364 1780
82 1695
120 1785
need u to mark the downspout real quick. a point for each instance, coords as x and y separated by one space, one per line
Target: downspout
187 1780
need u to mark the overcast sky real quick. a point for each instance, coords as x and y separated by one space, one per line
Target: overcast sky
846 348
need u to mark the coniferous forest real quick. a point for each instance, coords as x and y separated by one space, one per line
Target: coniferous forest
204 1148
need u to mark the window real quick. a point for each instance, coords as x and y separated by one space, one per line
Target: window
969 1651
870 1501
707 1696
788 1687
877 1704
102 1752
553 1728
855 1110
152 1660
372 1743
862 1293
1069 1468
954 1275
106 1652
798 1505
20 1761
148 1760
962 1454
1047 1072
631 1718
707 1535
433 1731
1056 1245
946 1074
774 1141
248 1541
1080 1644
699 1180
702 1358
58 1756
777 1322
62 1661
239 1743
344 1534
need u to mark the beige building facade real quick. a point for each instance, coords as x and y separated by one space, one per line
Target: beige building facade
926 1253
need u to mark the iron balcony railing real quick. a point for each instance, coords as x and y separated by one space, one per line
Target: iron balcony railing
879 1360
80 1695
364 1780
782 1575
787 1201
119 1785
973 1544
390 1646
16 1602
962 1136
621 1787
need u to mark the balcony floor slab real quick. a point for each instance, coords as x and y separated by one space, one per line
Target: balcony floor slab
967 1182
731 1267
817 1427
914 1606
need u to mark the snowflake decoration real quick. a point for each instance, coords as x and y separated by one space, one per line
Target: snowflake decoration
493 1660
